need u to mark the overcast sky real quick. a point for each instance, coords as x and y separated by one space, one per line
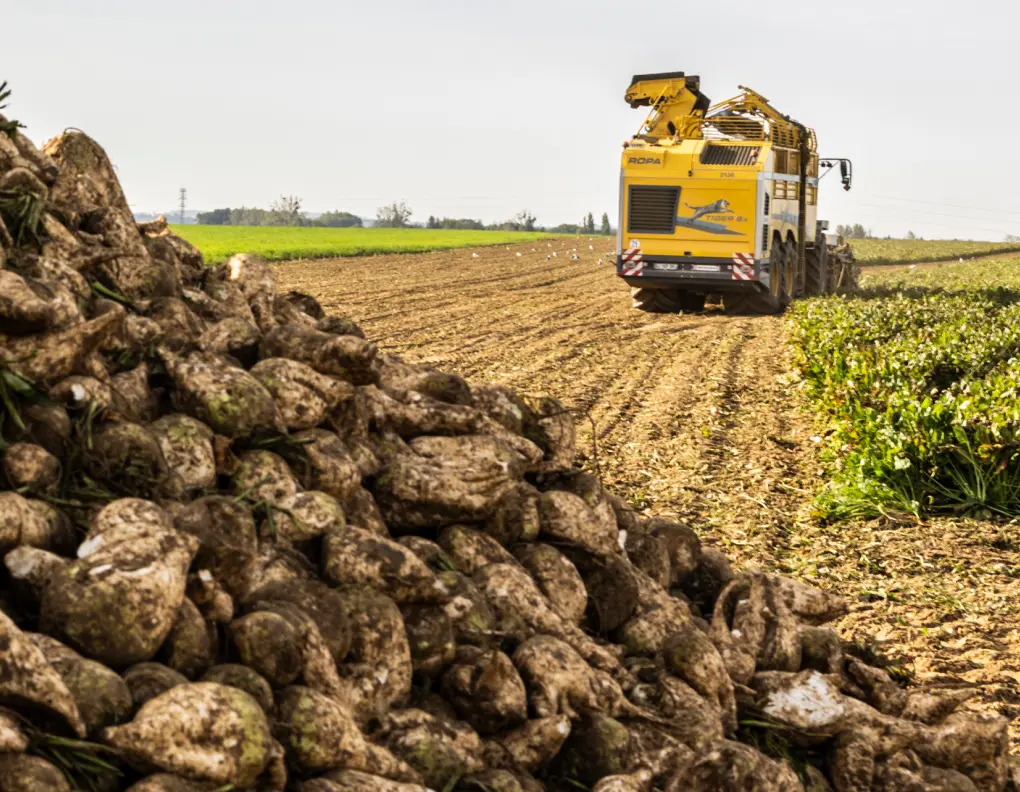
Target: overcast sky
480 109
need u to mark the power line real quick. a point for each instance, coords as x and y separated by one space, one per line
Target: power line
929 212
999 231
938 203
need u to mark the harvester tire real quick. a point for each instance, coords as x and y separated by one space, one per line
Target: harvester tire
662 300
749 303
817 281
788 285
756 303
692 302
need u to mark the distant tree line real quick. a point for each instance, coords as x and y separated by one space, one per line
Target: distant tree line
855 231
287 212
284 212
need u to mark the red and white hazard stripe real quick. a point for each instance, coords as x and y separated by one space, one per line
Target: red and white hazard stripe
743 266
633 262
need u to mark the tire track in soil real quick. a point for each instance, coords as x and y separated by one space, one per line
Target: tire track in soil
695 417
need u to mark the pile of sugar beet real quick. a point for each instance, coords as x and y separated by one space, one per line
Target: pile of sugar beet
244 549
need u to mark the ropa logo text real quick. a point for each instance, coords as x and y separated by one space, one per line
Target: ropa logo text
644 161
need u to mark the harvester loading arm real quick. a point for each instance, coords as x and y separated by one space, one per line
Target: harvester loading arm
677 103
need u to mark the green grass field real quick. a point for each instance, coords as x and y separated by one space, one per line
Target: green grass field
276 243
918 375
907 251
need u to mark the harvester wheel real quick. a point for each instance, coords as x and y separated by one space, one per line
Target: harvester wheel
692 302
657 300
789 268
770 302
817 270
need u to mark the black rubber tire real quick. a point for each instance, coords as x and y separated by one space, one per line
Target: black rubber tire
817 281
789 284
657 300
751 303
692 302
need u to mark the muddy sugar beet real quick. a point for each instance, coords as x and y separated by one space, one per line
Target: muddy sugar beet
244 548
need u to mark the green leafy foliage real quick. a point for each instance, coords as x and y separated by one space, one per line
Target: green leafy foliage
919 375
906 251
9 128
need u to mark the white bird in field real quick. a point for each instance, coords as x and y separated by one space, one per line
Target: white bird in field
591 247
575 257
518 254
548 244
475 255
600 261
554 254
548 258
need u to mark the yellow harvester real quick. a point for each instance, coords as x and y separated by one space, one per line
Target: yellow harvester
721 199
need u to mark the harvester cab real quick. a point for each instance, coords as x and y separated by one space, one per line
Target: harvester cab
719 199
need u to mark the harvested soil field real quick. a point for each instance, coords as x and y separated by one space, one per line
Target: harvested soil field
695 417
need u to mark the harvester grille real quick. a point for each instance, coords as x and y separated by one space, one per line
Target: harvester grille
652 209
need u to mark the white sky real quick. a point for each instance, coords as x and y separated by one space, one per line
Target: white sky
479 109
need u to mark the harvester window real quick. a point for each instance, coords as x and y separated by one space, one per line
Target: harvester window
651 209
812 195
781 161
